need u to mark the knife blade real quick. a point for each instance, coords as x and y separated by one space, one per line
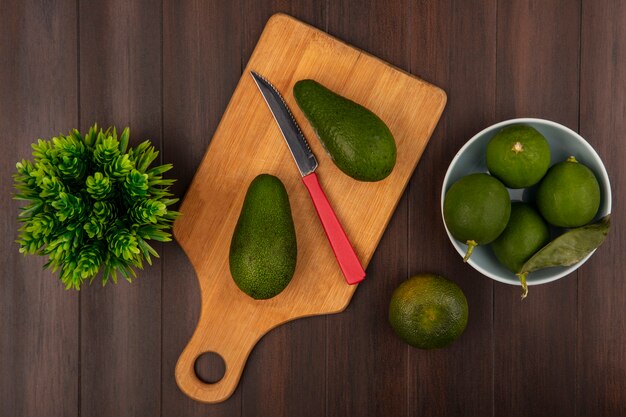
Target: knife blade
299 147
307 164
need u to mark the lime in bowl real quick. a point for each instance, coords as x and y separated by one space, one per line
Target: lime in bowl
563 142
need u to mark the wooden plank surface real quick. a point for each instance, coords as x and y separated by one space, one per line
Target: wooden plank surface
120 84
248 143
201 66
445 34
536 340
601 330
495 59
39 320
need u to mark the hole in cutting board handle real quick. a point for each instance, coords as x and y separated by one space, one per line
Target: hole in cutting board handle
210 367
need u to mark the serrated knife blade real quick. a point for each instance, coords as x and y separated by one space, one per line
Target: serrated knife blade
299 147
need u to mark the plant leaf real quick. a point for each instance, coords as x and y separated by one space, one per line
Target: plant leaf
567 249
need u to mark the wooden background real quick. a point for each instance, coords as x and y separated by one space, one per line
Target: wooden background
167 68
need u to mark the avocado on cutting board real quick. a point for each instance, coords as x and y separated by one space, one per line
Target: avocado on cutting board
264 250
355 138
247 143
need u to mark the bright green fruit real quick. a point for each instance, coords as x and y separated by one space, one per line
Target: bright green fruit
428 311
476 210
523 236
357 140
263 249
569 195
518 155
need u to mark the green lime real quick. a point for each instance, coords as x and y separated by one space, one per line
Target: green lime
524 235
518 155
476 210
428 311
569 195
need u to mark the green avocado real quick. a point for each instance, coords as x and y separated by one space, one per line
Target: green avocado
358 141
263 250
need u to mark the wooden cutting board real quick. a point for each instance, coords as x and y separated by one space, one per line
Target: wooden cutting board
246 143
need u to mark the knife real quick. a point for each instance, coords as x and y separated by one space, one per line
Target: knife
306 162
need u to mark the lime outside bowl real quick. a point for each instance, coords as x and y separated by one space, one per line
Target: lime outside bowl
471 158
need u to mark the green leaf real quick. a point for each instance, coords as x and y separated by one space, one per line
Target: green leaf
51 187
43 151
89 260
147 250
92 205
99 186
147 211
71 157
94 228
119 167
90 137
32 209
124 140
159 170
570 247
136 185
68 207
103 211
143 155
567 249
106 151
41 225
123 243
154 232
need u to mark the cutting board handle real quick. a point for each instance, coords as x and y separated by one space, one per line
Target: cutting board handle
234 354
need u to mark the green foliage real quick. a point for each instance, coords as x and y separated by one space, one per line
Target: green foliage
99 186
93 204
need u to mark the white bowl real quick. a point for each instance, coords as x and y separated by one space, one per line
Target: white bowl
563 143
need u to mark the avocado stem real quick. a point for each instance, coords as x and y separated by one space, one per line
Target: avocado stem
522 280
471 244
571 159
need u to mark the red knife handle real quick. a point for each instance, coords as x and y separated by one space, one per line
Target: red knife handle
348 261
